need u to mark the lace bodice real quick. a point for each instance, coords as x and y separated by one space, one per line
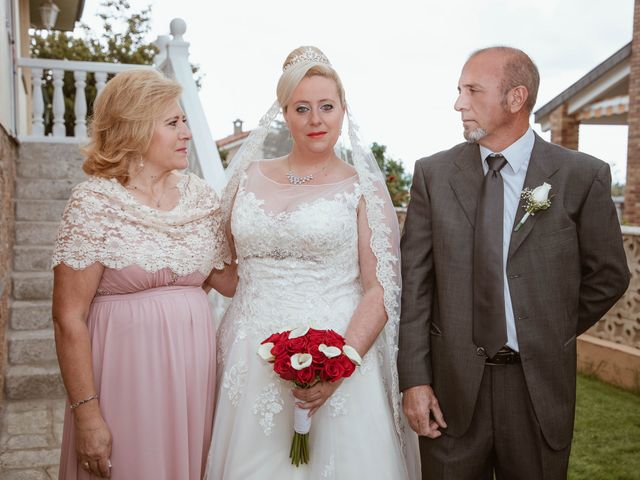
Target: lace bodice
104 223
299 264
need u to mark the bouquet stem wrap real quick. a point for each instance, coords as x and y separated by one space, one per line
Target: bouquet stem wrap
300 443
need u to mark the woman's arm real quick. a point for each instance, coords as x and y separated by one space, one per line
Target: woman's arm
225 281
366 323
370 316
73 291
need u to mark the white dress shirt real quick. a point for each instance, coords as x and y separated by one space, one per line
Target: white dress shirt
513 174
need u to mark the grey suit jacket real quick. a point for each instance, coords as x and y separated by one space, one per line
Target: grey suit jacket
566 267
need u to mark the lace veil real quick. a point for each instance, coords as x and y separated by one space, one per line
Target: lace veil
381 215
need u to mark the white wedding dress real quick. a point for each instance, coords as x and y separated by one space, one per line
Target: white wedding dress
297 247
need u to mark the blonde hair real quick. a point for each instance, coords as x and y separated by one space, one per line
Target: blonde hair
301 63
123 121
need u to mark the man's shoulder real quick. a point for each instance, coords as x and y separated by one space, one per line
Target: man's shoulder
572 160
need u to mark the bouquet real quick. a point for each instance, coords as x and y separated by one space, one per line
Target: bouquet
306 356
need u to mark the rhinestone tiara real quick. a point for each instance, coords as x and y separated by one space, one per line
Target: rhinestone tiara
309 55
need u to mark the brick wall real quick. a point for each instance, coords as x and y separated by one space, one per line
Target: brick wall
8 154
564 128
632 190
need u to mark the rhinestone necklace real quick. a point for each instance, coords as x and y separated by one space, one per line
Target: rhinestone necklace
301 180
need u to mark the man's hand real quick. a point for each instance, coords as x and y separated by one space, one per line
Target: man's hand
421 407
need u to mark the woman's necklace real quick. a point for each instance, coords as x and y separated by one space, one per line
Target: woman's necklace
301 180
157 201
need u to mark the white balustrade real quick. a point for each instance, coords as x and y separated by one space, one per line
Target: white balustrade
37 124
54 70
58 103
80 107
172 60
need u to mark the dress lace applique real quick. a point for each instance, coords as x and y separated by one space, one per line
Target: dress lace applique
268 404
234 381
329 469
338 404
103 223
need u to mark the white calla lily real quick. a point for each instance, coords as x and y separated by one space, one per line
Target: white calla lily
264 350
329 352
301 360
352 354
298 332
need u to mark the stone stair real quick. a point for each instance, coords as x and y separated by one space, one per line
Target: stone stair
34 393
46 173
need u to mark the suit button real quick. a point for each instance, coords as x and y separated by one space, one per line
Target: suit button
515 275
481 352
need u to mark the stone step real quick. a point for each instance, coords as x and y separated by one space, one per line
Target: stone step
50 153
31 315
31 347
32 285
44 188
24 382
31 258
54 167
36 233
40 210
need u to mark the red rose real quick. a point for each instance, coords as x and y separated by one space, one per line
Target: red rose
333 370
305 376
279 349
349 366
318 357
297 345
334 339
277 337
282 366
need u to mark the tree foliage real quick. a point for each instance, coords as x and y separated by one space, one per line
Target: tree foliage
398 181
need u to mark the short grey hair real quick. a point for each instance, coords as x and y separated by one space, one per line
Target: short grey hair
519 70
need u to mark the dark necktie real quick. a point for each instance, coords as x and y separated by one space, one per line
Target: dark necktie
489 324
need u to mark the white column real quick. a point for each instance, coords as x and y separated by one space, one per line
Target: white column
58 103
205 148
37 107
80 129
101 81
161 42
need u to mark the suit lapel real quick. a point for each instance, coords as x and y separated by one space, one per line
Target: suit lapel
541 169
467 181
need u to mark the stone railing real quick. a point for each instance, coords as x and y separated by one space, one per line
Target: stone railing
172 59
622 323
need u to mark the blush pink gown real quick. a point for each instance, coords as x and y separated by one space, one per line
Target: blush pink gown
151 329
153 347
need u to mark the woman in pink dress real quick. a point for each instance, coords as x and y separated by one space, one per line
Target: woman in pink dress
133 326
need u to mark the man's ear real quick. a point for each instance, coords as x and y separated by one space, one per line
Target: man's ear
517 98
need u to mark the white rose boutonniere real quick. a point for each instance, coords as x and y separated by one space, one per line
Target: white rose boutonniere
535 200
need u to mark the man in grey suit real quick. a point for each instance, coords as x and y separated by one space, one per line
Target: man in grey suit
490 309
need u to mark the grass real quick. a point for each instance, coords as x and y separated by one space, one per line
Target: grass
606 441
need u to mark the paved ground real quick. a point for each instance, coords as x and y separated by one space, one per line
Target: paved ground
30 438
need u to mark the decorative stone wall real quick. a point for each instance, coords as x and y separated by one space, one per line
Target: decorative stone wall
622 323
8 155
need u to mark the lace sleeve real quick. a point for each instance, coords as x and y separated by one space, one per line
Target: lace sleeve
81 237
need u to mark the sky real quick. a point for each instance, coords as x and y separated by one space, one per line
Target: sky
399 60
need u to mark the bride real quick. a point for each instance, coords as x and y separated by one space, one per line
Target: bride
317 243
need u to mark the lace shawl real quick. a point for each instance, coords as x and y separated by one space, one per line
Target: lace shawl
104 223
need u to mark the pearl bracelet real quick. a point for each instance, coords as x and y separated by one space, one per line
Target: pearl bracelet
75 405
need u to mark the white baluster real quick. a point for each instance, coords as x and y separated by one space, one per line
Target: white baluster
37 107
58 103
101 81
80 129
